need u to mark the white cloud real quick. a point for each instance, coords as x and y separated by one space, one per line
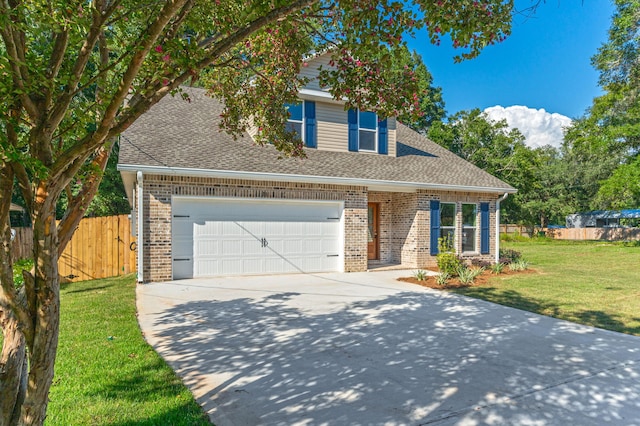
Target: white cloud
537 125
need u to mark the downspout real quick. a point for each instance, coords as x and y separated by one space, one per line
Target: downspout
140 225
498 201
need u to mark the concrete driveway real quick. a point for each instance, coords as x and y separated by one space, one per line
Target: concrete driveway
365 349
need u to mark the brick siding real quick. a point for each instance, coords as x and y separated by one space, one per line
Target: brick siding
404 218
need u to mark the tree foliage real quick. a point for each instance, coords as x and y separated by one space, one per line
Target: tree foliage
612 125
430 102
75 74
494 147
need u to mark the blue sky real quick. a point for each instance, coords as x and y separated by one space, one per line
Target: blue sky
545 63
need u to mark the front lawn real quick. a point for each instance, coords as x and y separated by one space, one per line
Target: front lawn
593 283
106 374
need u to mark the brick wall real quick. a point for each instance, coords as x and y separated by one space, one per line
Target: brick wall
158 191
460 198
404 221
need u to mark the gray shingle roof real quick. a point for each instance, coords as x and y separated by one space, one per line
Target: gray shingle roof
185 135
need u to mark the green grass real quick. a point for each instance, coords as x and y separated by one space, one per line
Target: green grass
593 283
106 374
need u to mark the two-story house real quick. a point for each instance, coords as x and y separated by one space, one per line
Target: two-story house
371 192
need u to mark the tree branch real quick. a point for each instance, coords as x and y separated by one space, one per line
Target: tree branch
15 56
79 204
61 104
9 299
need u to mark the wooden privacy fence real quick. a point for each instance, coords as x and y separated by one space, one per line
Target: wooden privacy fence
22 244
606 234
101 247
515 229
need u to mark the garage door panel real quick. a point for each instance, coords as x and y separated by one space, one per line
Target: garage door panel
247 266
227 237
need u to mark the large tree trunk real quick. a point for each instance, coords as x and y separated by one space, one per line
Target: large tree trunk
13 370
25 395
44 304
13 358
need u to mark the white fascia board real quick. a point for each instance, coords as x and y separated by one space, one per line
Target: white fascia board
372 184
319 95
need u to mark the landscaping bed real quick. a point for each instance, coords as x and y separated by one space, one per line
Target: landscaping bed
454 283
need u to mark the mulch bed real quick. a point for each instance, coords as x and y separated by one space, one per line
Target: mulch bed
481 280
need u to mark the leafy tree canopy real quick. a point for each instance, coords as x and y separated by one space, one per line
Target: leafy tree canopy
430 102
611 129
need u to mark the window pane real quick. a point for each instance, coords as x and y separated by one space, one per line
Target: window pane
295 111
294 127
447 214
367 120
469 215
447 237
367 140
469 239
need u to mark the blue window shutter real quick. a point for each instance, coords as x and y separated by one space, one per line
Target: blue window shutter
435 226
352 116
310 124
484 228
383 144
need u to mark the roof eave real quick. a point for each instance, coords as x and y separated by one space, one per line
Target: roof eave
371 184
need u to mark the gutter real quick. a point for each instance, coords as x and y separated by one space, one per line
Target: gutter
331 180
140 225
498 201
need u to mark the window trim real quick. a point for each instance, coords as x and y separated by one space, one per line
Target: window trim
474 227
375 132
303 122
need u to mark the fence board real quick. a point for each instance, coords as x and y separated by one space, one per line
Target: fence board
98 249
605 234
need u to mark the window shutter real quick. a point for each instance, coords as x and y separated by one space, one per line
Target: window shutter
435 226
383 143
310 124
352 116
484 228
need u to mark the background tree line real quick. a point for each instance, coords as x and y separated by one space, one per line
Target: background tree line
598 163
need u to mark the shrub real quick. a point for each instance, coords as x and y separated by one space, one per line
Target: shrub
510 255
468 275
481 263
497 268
449 263
420 275
442 278
519 265
447 260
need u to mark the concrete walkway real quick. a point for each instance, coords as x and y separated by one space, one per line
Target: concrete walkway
365 349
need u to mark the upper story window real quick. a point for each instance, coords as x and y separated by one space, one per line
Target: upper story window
302 120
296 119
469 227
366 132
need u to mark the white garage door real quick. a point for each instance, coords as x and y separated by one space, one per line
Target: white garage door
239 237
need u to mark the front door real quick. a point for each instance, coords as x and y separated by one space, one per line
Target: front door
373 246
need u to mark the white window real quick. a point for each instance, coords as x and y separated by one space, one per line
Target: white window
448 225
367 131
296 119
469 227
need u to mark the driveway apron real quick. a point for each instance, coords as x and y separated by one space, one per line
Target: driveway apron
366 349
